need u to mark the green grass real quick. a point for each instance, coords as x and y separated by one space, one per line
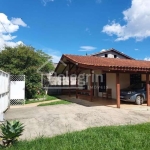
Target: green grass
55 103
131 137
48 98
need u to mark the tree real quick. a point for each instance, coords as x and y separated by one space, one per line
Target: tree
25 60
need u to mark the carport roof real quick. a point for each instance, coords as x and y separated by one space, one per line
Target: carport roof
109 64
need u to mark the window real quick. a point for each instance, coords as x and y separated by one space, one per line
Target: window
135 78
85 86
115 56
102 83
137 86
106 55
82 82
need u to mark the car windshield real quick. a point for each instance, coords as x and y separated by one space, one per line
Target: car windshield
137 86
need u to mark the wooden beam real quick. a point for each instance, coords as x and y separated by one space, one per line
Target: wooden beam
91 86
58 64
72 67
69 81
61 81
115 71
117 90
126 72
68 63
76 82
93 67
64 70
138 70
147 89
61 84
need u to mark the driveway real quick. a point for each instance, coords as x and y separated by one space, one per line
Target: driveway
58 119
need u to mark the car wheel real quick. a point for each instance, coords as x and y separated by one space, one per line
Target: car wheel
139 100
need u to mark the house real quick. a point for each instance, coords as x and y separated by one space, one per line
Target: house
107 69
112 53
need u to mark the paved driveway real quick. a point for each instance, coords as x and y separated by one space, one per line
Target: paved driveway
58 119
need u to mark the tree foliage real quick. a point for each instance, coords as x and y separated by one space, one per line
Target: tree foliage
25 60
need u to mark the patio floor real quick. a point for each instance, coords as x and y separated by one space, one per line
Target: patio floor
99 101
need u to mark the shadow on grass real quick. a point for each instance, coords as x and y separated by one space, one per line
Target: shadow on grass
47 98
55 103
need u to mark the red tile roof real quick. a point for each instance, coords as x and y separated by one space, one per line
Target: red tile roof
109 62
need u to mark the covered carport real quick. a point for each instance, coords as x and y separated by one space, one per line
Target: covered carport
73 64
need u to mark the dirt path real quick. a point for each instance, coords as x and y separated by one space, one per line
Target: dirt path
58 119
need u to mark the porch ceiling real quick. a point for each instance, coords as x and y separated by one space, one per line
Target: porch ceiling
105 64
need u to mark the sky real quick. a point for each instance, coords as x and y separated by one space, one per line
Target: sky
77 27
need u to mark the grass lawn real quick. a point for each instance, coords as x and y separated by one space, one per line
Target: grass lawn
131 137
48 98
55 103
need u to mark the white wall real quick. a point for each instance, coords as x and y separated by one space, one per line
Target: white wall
111 55
124 80
111 82
4 92
17 90
96 72
144 77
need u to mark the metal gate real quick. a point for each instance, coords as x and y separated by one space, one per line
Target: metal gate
17 89
4 92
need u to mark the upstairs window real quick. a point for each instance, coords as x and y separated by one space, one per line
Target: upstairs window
115 56
106 55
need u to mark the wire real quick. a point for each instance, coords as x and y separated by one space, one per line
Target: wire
6 31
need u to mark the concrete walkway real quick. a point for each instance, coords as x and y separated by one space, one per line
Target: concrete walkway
58 119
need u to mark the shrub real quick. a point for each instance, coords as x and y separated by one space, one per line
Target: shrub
10 132
26 60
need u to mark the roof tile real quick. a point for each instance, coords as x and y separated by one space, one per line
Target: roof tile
109 62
